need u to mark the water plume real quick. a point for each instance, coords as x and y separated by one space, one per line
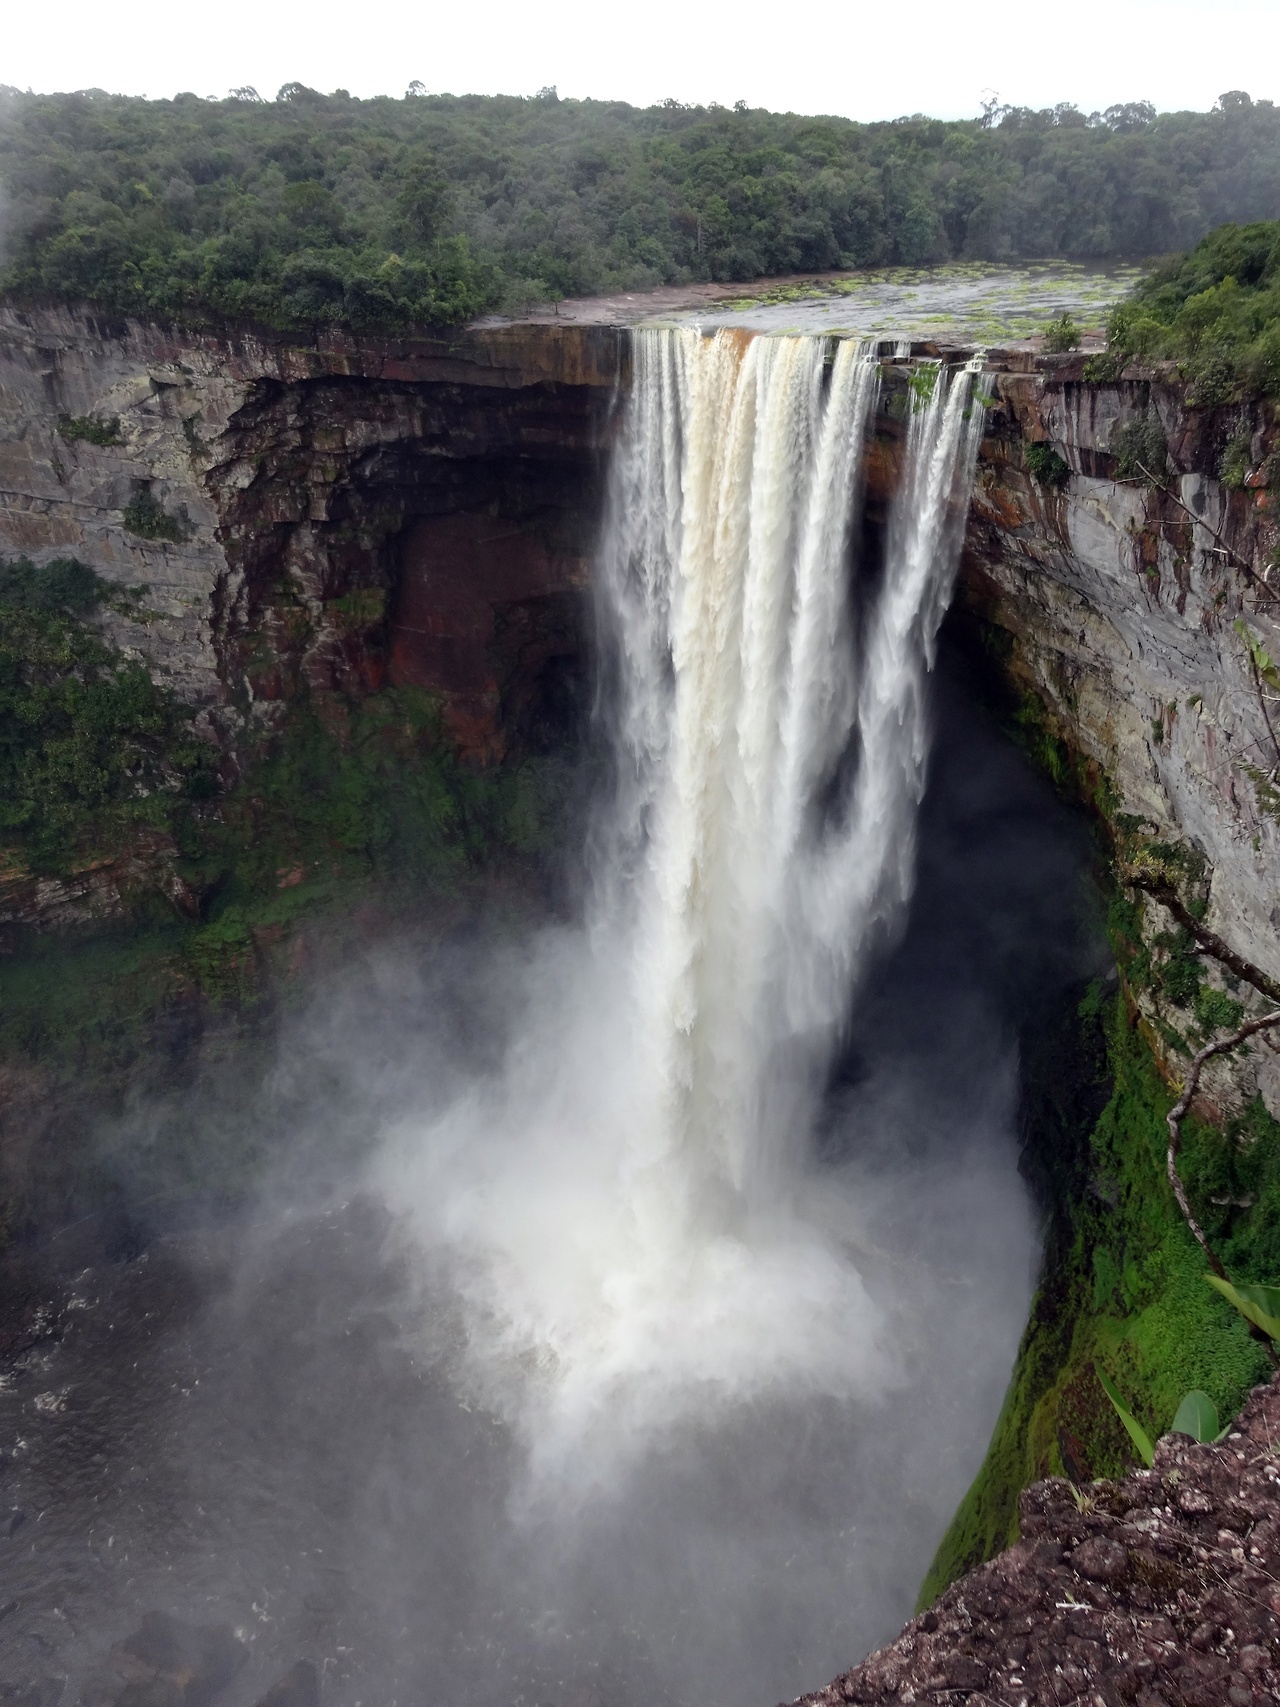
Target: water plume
629 1212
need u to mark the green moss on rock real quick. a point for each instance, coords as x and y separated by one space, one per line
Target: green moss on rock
1124 1287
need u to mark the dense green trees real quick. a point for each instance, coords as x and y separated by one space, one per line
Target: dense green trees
91 750
314 208
1215 311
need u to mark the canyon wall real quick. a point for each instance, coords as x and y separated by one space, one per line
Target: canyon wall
336 512
289 519
347 514
316 525
1133 612
286 521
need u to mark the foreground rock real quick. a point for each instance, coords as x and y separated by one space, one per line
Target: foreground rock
1162 1591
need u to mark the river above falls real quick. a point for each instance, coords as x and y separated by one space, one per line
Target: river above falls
965 304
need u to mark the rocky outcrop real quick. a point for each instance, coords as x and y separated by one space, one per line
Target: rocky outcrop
1160 1591
166 1663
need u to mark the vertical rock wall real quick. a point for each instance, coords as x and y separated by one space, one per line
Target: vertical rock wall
1121 603
303 482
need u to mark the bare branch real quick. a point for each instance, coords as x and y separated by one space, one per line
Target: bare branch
1199 521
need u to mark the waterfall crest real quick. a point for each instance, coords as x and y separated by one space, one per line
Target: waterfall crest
631 1209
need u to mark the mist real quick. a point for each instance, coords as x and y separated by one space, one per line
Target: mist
284 1416
636 1290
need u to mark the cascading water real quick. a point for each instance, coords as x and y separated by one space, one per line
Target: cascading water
677 1333
647 1227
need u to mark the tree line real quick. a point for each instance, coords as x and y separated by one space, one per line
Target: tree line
387 213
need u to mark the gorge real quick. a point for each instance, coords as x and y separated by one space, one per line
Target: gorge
352 522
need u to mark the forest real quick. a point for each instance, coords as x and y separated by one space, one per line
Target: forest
1215 311
311 209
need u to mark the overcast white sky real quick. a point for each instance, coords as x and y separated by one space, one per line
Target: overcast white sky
865 58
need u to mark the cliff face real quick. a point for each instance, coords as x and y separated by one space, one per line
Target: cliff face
347 515
317 524
1128 607
341 514
326 520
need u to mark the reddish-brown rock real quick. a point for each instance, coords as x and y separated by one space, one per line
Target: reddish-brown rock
1159 1591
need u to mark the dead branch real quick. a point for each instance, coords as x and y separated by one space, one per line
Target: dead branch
1199 521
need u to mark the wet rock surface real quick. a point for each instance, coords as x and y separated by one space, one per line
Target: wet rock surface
1117 607
1162 1590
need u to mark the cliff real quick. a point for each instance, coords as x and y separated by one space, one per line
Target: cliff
283 509
376 554
1115 590
1127 606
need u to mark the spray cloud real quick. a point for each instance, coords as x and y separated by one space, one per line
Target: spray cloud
630 1211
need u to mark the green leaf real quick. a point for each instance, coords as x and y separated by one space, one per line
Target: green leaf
1259 1304
1137 1434
1197 1416
1262 661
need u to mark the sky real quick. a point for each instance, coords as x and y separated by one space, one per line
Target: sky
865 59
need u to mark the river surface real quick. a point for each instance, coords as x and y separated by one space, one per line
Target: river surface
965 304
262 1422
974 304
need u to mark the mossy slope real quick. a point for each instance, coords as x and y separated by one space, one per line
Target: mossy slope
1123 1285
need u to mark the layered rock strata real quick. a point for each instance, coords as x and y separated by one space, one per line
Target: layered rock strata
1133 609
337 514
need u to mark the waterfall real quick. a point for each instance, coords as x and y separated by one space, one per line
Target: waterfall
771 734
629 1211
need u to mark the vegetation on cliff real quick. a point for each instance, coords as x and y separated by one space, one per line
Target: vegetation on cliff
314 209
103 772
1124 1284
1215 311
1123 1287
92 751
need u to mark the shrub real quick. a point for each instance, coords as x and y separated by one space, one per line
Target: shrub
1045 466
149 520
1236 461
91 428
90 747
1061 335
1140 449
64 586
1103 369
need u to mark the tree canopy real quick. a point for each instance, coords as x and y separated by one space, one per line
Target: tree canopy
311 209
1216 311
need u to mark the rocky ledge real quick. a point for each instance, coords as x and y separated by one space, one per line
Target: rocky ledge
1162 1590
